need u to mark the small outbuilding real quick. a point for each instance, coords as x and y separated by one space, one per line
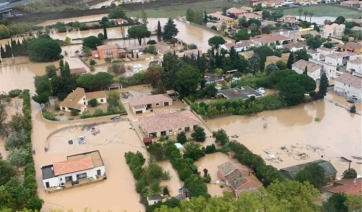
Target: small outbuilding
147 141
153 200
329 171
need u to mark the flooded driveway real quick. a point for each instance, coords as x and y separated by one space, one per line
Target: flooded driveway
294 131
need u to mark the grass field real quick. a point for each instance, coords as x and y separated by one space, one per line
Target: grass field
325 10
180 9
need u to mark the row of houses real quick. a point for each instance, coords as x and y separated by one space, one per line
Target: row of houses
281 3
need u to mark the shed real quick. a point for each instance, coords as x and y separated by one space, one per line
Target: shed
147 141
290 172
153 200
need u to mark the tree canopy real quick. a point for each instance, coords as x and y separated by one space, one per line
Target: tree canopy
188 78
116 13
169 30
92 42
216 41
97 81
43 50
139 32
242 34
312 173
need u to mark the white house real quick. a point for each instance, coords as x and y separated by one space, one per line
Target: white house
325 51
313 70
146 104
333 30
348 85
266 40
78 100
239 46
340 58
81 168
355 67
329 69
295 46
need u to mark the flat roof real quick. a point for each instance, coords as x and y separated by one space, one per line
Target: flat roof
243 93
144 100
47 172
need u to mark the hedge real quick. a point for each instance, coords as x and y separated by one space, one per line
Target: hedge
122 111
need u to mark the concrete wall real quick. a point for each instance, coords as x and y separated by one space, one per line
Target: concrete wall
55 181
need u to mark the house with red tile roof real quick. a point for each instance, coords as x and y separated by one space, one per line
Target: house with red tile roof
345 186
85 167
266 40
238 177
333 30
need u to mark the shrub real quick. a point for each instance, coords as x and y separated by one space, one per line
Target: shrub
162 138
352 109
107 59
49 115
92 62
192 46
15 93
98 112
181 138
151 42
150 50
93 102
74 112
210 149
207 179
56 107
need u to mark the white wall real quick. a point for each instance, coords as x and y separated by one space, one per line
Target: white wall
314 75
54 182
356 67
329 69
347 89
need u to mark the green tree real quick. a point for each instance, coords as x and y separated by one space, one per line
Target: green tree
216 41
7 172
43 50
169 30
181 138
263 52
91 42
43 89
19 122
301 55
116 13
195 186
159 31
281 65
290 90
199 134
153 75
210 91
265 14
205 17
242 34
340 20
314 42
336 203
254 63
187 80
221 138
190 15
4 31
144 17
139 32
353 203
271 68
17 157
171 64
6 200
93 102
323 86
300 10
305 70
193 150
312 173
290 60
50 71
349 174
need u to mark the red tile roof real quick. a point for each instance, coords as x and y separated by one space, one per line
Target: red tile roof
347 186
67 167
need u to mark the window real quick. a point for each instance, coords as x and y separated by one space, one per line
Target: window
63 108
187 129
99 172
101 100
163 133
68 178
81 176
170 131
157 104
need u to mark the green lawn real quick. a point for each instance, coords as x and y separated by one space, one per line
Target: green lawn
325 10
180 9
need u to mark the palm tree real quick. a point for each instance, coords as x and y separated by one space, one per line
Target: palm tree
310 16
300 10
305 15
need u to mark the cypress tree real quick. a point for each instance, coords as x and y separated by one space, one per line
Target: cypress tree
2 51
290 60
323 85
159 31
306 70
105 31
205 17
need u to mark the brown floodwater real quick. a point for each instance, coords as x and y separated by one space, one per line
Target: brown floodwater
337 134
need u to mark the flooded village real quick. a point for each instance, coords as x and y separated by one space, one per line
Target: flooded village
83 154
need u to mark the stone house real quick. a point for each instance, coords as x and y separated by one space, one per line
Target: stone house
238 178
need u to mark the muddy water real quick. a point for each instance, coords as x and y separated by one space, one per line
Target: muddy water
187 32
174 184
210 162
337 134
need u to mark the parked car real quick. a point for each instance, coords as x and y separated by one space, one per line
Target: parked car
350 101
115 118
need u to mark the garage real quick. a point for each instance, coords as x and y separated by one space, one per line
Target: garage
139 112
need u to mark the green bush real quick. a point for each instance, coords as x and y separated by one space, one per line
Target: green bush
150 50
187 100
207 179
136 79
98 112
92 62
352 109
151 42
15 93
210 149
93 102
74 112
48 115
56 107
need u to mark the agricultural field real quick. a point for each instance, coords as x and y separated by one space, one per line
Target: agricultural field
179 8
326 10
